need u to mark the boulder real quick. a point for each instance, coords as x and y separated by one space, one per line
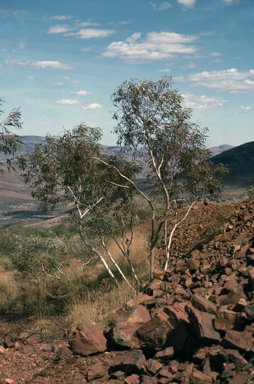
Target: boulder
202 325
87 340
124 323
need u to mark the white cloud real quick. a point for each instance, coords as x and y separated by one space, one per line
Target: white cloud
89 23
187 3
230 1
86 49
155 46
230 80
90 33
80 93
58 84
215 54
133 37
61 17
68 102
59 29
242 109
161 7
202 102
39 64
31 77
163 70
92 106
47 123
125 22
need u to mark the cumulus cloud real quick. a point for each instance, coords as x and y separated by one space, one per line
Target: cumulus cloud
125 22
215 54
80 93
230 80
202 102
89 33
58 84
163 70
68 102
242 109
92 106
89 23
161 7
39 64
47 123
59 29
133 37
187 3
61 17
156 46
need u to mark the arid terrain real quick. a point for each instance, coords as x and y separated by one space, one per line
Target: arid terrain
192 324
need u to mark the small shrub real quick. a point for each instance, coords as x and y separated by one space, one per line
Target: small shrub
250 190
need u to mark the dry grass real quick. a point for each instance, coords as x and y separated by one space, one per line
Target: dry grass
91 304
97 310
8 290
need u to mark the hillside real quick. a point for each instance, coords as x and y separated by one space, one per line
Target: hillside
240 162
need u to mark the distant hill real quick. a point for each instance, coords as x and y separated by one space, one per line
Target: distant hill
240 161
221 148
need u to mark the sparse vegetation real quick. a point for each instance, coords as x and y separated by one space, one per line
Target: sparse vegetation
9 142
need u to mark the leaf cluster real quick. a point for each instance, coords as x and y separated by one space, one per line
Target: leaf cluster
10 142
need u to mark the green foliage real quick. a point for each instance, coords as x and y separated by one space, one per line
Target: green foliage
152 123
250 191
36 254
9 142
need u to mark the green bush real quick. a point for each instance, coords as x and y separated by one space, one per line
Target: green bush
250 190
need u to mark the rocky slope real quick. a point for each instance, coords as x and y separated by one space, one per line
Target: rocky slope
193 324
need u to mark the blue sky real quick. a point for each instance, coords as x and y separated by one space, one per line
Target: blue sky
60 61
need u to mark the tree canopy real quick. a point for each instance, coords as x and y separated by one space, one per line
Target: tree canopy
9 142
153 123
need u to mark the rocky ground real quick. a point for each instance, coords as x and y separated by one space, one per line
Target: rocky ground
193 324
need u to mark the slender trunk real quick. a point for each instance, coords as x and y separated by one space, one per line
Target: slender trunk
98 254
116 265
172 233
132 268
151 262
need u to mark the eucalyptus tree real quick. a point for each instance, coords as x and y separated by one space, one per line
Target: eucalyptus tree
9 141
62 170
153 124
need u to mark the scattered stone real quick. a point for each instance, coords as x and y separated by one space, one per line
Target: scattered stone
87 340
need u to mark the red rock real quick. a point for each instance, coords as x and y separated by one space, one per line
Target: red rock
27 349
198 377
8 343
63 351
124 323
165 373
230 285
96 372
223 261
226 320
133 379
234 296
202 324
152 366
157 274
34 339
154 333
240 378
203 304
131 362
148 380
179 336
87 340
165 354
3 351
238 340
